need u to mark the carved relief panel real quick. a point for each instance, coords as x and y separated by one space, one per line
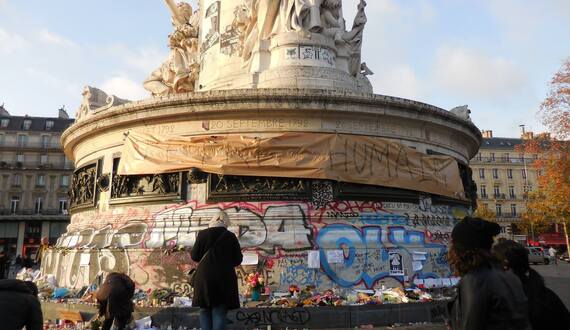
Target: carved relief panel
151 187
83 192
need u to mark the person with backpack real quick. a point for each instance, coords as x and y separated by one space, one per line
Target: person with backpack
218 252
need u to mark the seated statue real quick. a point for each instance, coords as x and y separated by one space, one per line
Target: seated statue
179 72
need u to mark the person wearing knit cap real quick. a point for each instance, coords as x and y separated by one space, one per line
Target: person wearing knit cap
487 296
218 252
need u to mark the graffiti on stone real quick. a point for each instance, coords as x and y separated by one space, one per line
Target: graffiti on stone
153 247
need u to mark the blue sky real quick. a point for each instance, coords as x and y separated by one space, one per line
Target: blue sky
497 56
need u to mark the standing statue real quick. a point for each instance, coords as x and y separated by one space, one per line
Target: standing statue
261 19
354 40
179 72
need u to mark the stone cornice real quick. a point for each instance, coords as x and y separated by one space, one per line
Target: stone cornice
231 103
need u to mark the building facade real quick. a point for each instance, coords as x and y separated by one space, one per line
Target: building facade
34 180
504 176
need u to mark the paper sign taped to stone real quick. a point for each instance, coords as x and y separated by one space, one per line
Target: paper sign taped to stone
417 266
396 264
335 256
250 259
314 259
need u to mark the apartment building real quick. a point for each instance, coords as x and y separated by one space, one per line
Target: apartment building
504 176
35 177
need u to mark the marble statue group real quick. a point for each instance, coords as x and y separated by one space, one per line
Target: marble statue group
255 21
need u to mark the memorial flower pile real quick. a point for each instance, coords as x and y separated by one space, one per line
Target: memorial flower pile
255 281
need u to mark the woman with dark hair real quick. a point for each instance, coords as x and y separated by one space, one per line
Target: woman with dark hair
546 310
487 296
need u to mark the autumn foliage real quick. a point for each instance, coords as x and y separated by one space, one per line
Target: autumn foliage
550 202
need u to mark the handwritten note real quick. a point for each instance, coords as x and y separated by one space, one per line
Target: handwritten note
335 257
417 266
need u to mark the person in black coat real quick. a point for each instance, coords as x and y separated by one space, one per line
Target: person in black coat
546 309
19 306
488 298
215 283
115 298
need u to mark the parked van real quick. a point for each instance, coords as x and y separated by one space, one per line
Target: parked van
537 255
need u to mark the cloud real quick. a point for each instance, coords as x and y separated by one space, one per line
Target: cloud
398 80
55 39
526 22
124 88
11 42
473 74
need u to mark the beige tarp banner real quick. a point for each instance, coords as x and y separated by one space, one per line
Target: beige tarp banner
341 157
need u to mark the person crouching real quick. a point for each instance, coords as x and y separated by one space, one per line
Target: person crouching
115 298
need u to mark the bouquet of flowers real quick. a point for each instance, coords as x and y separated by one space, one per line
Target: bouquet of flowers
294 290
255 281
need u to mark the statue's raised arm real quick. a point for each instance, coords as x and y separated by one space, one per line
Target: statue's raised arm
178 18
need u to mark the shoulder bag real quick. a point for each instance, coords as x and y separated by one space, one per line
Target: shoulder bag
192 272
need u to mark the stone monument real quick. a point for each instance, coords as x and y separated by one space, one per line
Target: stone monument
263 109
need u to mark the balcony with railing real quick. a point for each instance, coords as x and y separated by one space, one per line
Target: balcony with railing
33 212
15 165
31 145
499 196
502 160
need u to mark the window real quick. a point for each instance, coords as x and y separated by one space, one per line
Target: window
492 156
22 140
514 210
4 122
49 125
66 163
510 173
495 173
65 180
496 191
512 191
39 205
45 141
63 206
523 173
27 124
483 191
481 173
485 206
507 157
498 210
20 158
14 204
479 157
43 159
9 230
41 180
17 179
